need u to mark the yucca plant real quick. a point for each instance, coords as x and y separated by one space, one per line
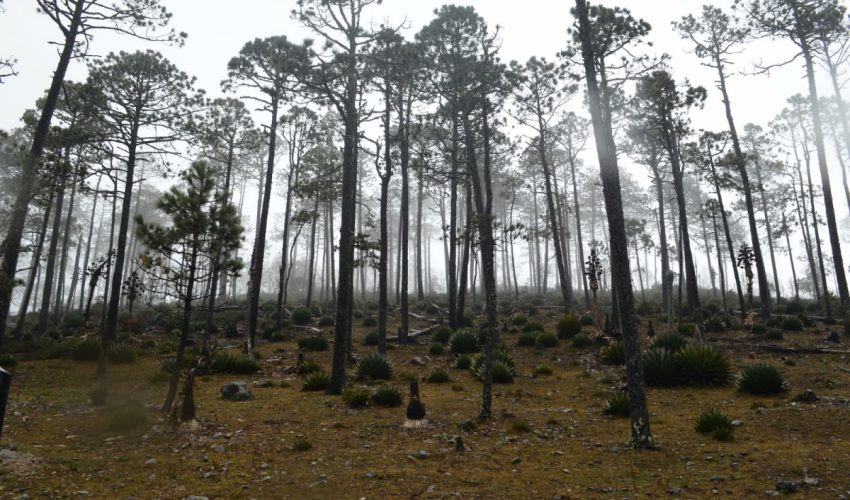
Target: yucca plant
437 376
618 405
463 342
309 367
673 342
568 326
313 343
442 334
527 339
234 364
356 397
660 368
463 362
716 423
374 366
371 338
761 380
702 365
387 396
121 354
546 340
316 381
86 350
541 370
533 326
614 353
581 340
504 367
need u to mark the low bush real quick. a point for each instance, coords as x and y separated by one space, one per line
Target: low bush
437 376
436 349
316 381
387 396
374 366
792 324
301 444
463 362
309 367
302 316
659 368
614 353
313 343
86 350
568 326
587 320
617 405
7 361
716 423
581 340
121 354
774 334
371 338
356 397
519 320
370 321
702 365
761 380
541 370
686 329
233 364
533 326
547 340
758 329
504 367
463 342
326 321
442 334
527 339
673 342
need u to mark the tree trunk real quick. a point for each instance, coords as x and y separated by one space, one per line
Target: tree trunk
36 265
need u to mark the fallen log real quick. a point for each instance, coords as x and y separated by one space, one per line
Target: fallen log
307 328
798 350
416 334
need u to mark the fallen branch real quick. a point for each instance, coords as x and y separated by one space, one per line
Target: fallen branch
416 334
798 350
310 329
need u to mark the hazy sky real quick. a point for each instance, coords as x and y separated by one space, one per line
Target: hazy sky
217 30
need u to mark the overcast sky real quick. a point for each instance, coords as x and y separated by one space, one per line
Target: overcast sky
218 29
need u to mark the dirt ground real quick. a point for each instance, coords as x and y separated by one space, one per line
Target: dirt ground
549 439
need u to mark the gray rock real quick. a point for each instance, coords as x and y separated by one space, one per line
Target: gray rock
516 460
807 396
811 481
736 423
675 491
420 455
834 338
236 391
786 486
197 497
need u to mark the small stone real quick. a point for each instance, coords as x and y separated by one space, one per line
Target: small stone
833 338
715 479
786 486
420 455
807 396
236 391
516 460
197 497
369 475
736 423
150 461
675 491
218 448
209 475
430 489
418 361
811 481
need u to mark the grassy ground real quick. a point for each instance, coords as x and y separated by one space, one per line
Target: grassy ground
549 438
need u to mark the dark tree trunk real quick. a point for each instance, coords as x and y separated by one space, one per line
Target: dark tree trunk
29 174
606 151
50 265
36 265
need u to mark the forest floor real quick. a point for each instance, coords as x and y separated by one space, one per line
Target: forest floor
549 437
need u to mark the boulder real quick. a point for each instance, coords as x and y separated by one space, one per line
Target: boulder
236 391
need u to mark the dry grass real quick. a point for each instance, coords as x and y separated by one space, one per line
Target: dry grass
249 449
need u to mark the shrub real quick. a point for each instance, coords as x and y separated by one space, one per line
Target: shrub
73 321
374 366
847 327
659 368
716 323
121 354
234 364
326 321
313 343
301 444
686 329
463 342
370 321
519 320
128 417
587 320
463 362
467 321
541 370
86 350
762 380
436 349
794 306
442 334
792 324
371 338
714 422
533 326
504 368
309 367
387 396
316 381
547 340
7 361
302 316
437 376
520 426
774 334
614 353
758 329
646 308
581 340
702 365
527 339
568 326
356 397
673 342
618 405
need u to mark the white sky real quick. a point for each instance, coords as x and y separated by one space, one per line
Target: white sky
218 29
